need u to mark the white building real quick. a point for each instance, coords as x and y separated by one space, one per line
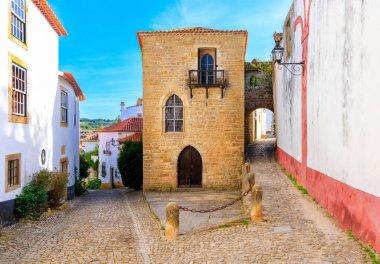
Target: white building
131 111
110 139
31 135
90 142
327 119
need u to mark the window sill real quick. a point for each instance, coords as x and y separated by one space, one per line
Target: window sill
18 119
63 124
18 42
10 189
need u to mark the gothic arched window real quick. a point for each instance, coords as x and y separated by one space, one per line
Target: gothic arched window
174 114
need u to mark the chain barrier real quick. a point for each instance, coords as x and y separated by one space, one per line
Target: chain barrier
185 209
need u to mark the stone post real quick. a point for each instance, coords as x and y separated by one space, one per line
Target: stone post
246 168
257 204
248 183
172 221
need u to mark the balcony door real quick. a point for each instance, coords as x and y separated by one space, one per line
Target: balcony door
207 65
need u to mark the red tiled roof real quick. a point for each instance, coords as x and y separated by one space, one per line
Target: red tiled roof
132 138
191 30
46 10
132 124
91 138
78 92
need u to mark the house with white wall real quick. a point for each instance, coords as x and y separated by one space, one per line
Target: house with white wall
110 140
89 143
31 134
324 140
130 111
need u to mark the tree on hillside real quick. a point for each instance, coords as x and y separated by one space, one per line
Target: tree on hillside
130 164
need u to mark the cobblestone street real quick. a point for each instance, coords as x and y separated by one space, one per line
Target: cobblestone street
113 226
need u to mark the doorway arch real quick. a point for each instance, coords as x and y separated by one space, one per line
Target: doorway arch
189 168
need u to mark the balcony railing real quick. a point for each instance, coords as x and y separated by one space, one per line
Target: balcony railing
206 79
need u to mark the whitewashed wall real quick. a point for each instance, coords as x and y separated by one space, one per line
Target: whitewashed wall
89 145
67 136
132 111
342 93
110 160
42 60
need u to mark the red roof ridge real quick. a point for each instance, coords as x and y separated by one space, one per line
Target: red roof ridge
132 124
51 17
70 78
192 30
136 137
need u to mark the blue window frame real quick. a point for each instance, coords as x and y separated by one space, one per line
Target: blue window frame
18 19
207 69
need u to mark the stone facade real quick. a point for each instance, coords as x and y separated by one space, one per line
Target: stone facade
214 126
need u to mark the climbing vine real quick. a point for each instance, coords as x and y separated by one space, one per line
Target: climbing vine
263 78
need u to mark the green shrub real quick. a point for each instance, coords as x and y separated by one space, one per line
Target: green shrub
94 184
32 202
84 166
80 188
130 164
58 192
42 178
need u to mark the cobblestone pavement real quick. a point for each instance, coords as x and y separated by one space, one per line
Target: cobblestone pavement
96 228
118 227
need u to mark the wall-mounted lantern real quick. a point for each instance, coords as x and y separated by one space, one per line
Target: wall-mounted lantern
295 68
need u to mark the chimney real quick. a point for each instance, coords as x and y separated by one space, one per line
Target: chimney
122 105
139 101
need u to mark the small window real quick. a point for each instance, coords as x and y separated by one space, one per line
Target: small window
207 69
13 170
19 90
104 172
18 19
288 40
64 107
174 114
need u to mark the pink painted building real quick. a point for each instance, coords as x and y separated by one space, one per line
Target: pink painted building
327 118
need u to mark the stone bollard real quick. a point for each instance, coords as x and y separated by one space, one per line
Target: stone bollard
257 204
246 168
172 221
248 183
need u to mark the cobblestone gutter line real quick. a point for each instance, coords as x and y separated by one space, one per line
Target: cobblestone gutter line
142 241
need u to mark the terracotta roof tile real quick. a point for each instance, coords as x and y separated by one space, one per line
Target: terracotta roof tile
91 138
46 10
70 78
193 30
132 138
132 124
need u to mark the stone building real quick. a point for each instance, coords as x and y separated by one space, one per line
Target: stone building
193 89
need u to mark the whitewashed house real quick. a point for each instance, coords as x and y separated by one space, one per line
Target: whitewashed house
131 111
324 139
90 142
110 140
31 134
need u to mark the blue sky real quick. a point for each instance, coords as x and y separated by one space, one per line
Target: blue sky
102 50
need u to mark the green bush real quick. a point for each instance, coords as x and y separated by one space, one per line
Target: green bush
43 178
32 202
58 192
130 164
83 167
80 188
94 184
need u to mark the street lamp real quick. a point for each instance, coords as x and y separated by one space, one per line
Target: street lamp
295 68
113 142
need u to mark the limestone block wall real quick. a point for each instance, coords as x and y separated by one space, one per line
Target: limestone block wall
214 126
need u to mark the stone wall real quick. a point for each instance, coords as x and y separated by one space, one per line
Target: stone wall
214 126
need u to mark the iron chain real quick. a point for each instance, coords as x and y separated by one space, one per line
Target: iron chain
185 209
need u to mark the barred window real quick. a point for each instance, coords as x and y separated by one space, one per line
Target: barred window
64 106
104 172
13 172
18 19
19 87
174 114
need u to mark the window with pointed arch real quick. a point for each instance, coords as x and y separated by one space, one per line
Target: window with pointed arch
174 114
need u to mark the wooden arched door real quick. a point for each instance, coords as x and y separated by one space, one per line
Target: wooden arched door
189 168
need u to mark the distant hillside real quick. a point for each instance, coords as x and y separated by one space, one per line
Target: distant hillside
95 124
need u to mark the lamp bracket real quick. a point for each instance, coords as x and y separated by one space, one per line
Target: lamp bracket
295 68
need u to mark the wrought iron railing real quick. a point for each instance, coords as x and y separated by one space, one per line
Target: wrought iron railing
206 78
